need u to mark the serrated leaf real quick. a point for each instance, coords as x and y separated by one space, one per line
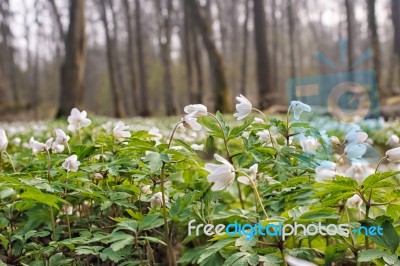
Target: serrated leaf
370 255
214 248
151 221
373 180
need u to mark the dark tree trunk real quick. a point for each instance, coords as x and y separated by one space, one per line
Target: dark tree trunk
115 88
72 69
373 34
7 42
118 66
291 39
274 47
164 39
265 94
187 49
244 52
144 111
396 26
131 57
222 95
350 32
199 67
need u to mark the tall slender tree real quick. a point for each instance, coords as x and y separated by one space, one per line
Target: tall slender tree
395 4
144 111
243 79
222 95
112 64
72 69
131 56
164 39
265 94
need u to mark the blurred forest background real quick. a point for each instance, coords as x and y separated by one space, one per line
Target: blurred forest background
136 57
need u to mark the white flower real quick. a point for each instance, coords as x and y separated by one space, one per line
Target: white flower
309 144
17 141
335 141
190 121
258 120
325 171
61 137
293 261
146 189
71 164
356 137
222 175
355 151
253 175
299 108
3 140
78 120
197 147
243 108
393 155
120 131
354 202
57 148
39 146
155 132
359 171
156 200
198 110
393 140
264 135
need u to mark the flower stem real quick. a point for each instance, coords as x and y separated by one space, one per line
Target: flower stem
53 224
379 163
172 134
11 161
265 119
223 134
48 165
240 195
256 192
287 124
80 136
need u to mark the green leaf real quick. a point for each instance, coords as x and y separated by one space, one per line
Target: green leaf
151 221
7 192
393 210
47 199
214 248
389 238
83 151
153 239
59 260
122 240
154 161
370 255
373 180
237 131
130 225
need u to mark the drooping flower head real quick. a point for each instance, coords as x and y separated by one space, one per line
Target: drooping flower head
71 164
3 140
198 110
298 108
243 108
393 140
121 132
325 171
355 151
190 121
78 120
39 146
393 155
61 136
253 175
222 175
309 144
156 200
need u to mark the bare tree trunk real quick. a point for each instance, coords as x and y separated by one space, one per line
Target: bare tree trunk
222 93
244 50
274 47
131 58
115 88
199 67
187 48
291 39
7 42
265 94
142 65
164 39
72 70
57 18
118 67
350 27
373 33
396 26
